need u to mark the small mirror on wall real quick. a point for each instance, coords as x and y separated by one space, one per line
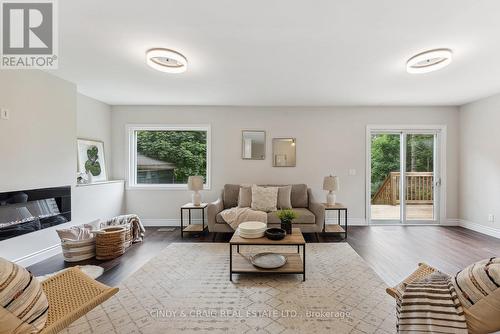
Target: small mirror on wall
253 145
284 152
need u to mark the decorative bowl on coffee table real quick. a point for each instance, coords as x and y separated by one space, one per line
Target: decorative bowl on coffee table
267 260
275 233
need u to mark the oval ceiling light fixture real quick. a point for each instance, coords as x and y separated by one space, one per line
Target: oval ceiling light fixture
429 61
166 60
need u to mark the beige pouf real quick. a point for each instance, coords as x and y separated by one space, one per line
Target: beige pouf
111 242
23 304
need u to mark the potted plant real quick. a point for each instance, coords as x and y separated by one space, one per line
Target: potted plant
287 216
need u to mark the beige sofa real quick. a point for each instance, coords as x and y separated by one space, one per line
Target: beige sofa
311 214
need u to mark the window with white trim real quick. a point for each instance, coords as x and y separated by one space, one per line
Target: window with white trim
164 156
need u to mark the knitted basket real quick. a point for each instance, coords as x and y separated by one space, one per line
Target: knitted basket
111 242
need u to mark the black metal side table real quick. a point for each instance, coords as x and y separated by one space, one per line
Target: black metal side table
336 228
198 228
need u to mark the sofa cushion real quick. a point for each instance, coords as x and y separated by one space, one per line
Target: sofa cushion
230 196
304 217
284 197
299 196
264 198
245 197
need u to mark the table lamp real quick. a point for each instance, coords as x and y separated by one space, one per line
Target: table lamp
331 183
195 183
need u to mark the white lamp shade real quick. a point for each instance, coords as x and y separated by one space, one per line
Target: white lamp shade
331 183
195 183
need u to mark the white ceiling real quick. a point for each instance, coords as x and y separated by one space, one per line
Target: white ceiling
280 52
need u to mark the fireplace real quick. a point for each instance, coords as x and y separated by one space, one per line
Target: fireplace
27 211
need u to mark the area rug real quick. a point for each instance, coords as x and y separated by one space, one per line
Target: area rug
186 289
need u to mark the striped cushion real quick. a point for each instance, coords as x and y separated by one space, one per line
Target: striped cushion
477 281
21 295
430 305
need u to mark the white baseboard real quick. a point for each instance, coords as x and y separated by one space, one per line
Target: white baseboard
169 222
451 222
494 232
177 222
39 256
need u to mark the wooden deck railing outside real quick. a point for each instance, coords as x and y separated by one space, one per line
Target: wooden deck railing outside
419 189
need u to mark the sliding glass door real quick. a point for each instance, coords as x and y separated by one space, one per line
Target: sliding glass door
404 180
419 175
385 171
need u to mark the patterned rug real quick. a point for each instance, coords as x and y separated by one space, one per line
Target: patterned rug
186 289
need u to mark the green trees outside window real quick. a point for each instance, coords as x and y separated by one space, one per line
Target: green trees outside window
385 156
170 156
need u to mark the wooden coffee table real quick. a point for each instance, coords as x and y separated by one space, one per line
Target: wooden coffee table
239 262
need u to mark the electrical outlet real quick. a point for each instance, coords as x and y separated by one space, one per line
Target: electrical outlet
4 114
352 172
491 218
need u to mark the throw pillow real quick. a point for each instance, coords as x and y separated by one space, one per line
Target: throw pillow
245 197
230 195
264 198
299 196
284 197
24 304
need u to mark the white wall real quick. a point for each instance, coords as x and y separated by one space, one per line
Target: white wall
38 150
93 121
328 139
37 146
97 201
479 186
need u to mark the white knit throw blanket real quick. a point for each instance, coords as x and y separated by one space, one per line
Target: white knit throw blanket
235 216
431 305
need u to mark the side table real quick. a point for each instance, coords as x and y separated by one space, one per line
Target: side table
336 228
193 227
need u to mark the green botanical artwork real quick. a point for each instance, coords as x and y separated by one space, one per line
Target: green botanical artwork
92 165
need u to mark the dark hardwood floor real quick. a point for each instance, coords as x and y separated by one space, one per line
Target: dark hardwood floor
392 251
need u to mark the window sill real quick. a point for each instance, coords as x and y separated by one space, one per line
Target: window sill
162 187
99 183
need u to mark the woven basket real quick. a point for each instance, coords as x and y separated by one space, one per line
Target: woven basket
78 250
111 242
128 235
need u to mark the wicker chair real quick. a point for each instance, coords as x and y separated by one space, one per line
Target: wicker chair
422 271
71 294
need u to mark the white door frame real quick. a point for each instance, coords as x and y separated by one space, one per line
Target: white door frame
439 169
